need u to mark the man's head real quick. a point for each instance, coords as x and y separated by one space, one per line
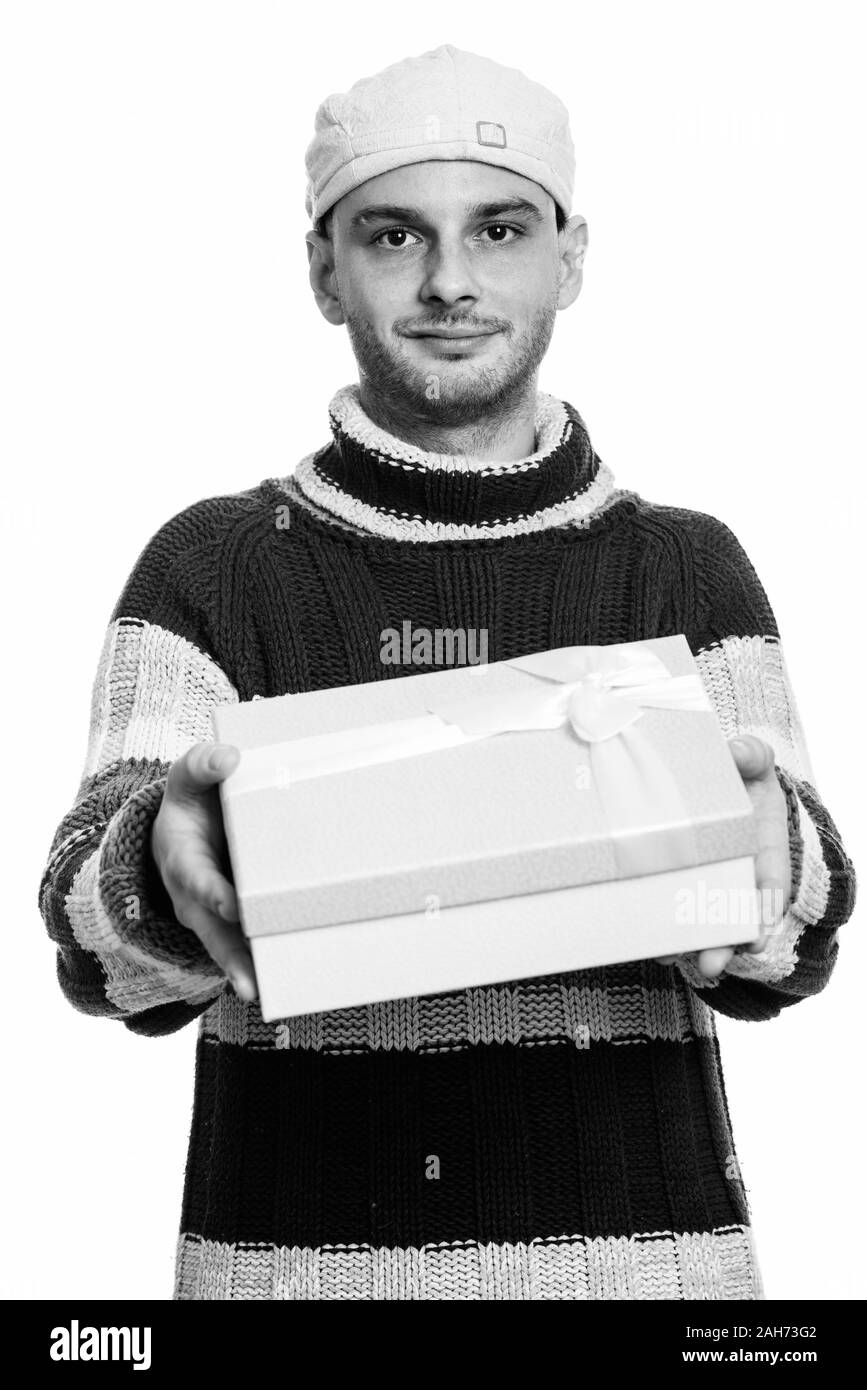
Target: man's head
440 193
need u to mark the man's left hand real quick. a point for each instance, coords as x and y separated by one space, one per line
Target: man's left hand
755 761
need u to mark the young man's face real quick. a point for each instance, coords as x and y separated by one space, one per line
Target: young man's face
448 275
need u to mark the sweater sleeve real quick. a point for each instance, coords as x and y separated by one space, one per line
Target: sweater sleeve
121 952
736 643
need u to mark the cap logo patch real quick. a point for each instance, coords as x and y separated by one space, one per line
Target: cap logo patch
490 133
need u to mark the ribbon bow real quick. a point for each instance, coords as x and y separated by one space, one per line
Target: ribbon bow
602 692
599 691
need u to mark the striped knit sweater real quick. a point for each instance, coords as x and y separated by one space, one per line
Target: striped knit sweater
566 1137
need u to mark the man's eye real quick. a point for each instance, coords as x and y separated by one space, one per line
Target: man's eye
392 232
499 228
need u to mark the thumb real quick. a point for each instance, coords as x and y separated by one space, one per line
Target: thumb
754 757
200 768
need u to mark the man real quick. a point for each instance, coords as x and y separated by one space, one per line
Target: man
579 1122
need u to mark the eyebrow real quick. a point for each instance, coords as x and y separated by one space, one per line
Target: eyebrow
391 212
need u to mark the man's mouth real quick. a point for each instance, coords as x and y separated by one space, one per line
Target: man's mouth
457 333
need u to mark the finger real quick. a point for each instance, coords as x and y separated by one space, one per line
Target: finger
772 901
192 871
754 757
755 946
200 768
225 945
713 961
773 867
770 859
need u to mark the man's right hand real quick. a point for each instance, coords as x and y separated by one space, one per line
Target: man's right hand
188 845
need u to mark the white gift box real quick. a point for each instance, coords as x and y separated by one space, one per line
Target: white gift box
468 826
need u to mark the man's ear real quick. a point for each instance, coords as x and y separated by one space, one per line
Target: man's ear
323 276
573 245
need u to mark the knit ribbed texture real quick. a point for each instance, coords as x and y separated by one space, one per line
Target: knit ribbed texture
557 1138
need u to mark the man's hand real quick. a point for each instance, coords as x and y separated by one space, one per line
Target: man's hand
755 760
188 843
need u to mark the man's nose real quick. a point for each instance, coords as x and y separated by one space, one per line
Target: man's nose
450 275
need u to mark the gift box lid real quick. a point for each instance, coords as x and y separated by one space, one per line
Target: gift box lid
496 815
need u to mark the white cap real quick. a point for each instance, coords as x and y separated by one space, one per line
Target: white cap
445 104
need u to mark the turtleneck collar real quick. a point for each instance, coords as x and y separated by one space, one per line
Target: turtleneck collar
374 481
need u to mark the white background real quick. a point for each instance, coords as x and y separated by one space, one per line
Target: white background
160 344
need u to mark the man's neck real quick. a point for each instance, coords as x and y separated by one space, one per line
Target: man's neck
500 437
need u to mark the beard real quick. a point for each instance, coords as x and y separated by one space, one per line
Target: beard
402 394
